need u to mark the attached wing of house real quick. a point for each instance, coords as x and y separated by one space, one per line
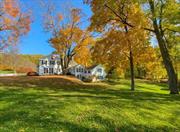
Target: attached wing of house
95 72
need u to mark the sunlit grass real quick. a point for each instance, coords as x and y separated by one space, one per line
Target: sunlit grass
87 107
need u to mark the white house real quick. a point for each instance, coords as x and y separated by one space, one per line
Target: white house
96 72
50 65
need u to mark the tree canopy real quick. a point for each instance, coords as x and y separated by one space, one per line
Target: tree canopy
14 22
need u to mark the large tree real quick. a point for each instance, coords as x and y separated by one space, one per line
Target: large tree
120 39
14 22
115 50
68 39
162 15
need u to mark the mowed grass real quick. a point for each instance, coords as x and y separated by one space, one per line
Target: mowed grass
55 104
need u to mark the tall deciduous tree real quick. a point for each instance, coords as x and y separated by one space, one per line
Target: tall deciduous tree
164 17
13 22
68 39
122 39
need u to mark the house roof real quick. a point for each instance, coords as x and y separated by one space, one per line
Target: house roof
50 56
88 68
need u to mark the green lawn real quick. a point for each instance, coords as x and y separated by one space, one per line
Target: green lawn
61 104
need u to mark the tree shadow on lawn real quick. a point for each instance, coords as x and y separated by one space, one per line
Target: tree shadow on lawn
41 112
88 90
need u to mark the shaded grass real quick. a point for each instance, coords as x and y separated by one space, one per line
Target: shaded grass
63 104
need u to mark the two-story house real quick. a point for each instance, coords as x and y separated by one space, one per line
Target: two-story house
50 65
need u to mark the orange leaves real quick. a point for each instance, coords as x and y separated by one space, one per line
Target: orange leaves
14 22
24 23
11 8
60 17
14 17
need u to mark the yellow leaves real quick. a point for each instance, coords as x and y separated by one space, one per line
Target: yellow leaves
7 21
72 40
115 13
83 56
114 48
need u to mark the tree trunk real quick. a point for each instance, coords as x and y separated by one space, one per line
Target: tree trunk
62 65
131 70
65 66
164 52
168 65
130 61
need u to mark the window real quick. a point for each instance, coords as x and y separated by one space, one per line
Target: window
52 62
99 70
45 70
44 62
82 70
51 70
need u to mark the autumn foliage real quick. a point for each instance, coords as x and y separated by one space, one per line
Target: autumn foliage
13 23
68 39
135 17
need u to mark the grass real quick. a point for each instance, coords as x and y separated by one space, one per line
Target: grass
6 72
64 104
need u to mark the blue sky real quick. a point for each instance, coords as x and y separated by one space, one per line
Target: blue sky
35 42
